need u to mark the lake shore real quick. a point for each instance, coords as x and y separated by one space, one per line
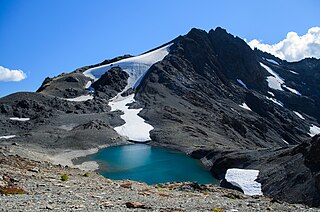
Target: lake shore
44 190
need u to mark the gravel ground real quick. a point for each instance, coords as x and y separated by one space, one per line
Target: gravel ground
46 191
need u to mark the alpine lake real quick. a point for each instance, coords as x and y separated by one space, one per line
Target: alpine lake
152 165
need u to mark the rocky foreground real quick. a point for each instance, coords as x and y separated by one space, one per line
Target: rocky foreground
27 185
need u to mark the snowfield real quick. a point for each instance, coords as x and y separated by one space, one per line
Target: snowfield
135 128
136 67
19 119
314 130
244 179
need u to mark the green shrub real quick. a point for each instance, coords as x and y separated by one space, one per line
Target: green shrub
217 210
64 177
87 174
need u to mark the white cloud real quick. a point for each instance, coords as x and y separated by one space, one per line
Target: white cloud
293 47
8 75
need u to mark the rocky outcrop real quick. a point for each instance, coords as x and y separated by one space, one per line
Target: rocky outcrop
111 83
65 85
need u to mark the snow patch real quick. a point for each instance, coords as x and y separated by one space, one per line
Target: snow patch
81 98
7 136
271 61
274 81
244 179
135 128
314 130
245 106
19 119
272 94
87 86
242 83
285 141
299 115
136 67
294 72
275 101
292 90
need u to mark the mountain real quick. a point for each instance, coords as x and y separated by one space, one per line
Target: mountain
205 93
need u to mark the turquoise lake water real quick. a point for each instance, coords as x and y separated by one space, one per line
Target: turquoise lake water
149 164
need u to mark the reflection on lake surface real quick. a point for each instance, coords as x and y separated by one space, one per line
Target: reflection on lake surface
149 164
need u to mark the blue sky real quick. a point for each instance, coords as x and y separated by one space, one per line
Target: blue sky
47 37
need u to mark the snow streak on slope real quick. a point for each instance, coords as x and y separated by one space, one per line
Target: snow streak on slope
245 106
292 90
272 94
275 101
299 115
7 136
244 179
88 84
271 61
294 72
81 98
242 83
19 119
286 142
136 67
135 128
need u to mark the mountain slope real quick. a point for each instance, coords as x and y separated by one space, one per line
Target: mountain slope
205 93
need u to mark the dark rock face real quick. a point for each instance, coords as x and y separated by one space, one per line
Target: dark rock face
111 83
237 58
200 104
304 76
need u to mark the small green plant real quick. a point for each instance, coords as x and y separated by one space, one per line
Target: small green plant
64 177
232 197
87 174
217 210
